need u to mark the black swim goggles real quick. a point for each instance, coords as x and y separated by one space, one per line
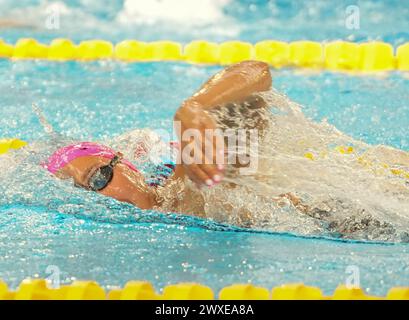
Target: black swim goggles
101 177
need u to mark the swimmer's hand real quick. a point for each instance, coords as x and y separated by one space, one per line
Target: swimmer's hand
201 152
232 85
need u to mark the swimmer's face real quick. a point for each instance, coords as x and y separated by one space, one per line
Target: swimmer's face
126 184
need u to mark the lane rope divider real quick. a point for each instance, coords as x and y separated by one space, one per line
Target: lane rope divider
374 56
140 290
11 144
39 289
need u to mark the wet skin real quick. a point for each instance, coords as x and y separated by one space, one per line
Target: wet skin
126 184
234 84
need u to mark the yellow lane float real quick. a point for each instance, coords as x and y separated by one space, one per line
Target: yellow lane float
343 292
5 294
235 51
6 50
376 56
83 290
164 50
296 291
201 52
39 289
131 50
369 57
307 54
62 49
134 290
7 144
33 289
402 56
342 55
398 293
30 49
95 49
244 292
187 291
275 53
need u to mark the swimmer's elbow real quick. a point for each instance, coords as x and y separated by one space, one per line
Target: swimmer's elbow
259 65
259 74
266 80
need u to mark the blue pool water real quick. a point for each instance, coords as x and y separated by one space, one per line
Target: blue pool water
79 98
247 20
113 243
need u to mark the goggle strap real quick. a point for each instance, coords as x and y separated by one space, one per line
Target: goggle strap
116 159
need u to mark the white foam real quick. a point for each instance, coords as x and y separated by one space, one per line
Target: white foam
186 12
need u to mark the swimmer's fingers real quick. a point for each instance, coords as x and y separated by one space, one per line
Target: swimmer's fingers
202 148
214 148
212 155
199 167
197 175
191 156
212 172
213 163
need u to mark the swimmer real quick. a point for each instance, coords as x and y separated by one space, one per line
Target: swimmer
310 178
100 169
359 195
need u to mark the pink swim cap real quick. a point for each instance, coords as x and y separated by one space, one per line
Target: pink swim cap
65 155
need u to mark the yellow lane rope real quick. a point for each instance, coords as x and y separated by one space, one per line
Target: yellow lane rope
337 55
10 144
38 289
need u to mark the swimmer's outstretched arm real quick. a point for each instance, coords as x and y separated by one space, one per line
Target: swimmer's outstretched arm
231 85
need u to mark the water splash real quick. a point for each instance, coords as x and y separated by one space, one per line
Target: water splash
48 128
313 179
352 193
26 184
